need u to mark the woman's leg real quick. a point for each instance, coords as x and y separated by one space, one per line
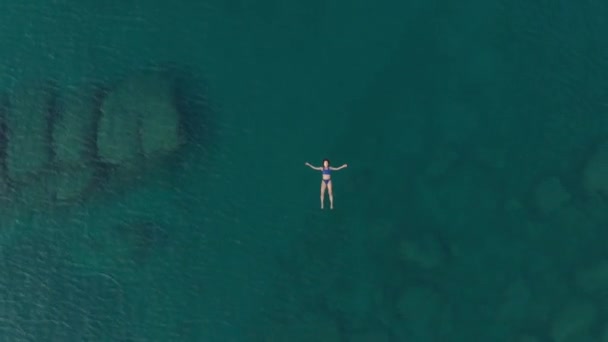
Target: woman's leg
330 188
322 192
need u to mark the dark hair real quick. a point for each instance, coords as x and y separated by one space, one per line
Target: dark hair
326 160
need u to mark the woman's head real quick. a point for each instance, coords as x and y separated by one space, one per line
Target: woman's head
326 163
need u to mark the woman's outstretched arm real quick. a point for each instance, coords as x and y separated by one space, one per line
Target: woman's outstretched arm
339 168
312 167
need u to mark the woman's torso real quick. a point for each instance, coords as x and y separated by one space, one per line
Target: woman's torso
326 173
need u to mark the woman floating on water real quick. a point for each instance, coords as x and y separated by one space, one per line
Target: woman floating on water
326 181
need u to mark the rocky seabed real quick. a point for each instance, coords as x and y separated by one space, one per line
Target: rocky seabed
58 142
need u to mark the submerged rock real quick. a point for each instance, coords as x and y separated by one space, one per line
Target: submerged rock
73 132
59 144
118 130
160 133
138 119
73 144
28 134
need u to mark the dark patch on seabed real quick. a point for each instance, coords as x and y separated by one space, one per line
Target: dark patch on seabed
97 170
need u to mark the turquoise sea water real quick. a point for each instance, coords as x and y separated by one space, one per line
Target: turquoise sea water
463 214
